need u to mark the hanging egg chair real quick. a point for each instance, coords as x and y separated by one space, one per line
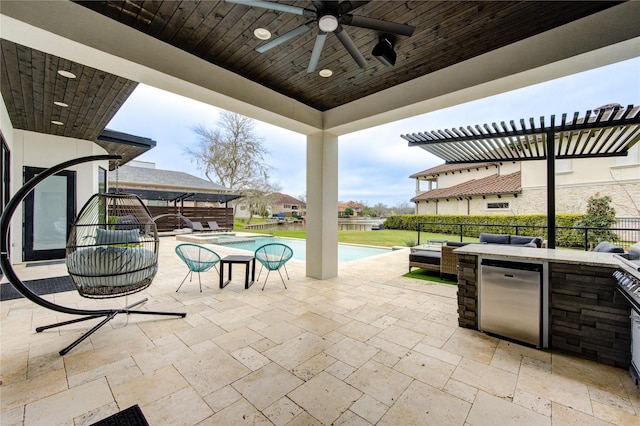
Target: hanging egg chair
112 248
112 251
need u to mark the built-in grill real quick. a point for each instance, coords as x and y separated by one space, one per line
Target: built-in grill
628 277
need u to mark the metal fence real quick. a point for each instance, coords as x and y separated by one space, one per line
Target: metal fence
624 233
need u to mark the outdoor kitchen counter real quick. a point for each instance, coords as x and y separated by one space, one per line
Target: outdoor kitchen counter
587 316
540 254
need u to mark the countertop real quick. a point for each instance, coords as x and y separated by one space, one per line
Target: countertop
540 254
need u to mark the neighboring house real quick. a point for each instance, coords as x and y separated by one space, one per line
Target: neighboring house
520 187
355 206
283 203
162 187
278 203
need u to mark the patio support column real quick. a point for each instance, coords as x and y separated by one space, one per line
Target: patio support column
551 188
322 205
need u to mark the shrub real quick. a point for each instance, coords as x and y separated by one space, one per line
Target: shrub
474 225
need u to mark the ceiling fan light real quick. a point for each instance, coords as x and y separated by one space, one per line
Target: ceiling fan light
262 33
325 73
328 23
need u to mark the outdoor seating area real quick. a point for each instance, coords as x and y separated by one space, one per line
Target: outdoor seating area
379 348
441 258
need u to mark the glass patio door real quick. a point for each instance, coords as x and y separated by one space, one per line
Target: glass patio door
49 212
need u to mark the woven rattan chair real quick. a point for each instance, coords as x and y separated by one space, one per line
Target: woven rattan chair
273 256
449 261
198 259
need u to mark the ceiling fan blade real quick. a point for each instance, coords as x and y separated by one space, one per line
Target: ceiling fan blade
285 37
263 4
350 46
317 50
349 6
377 24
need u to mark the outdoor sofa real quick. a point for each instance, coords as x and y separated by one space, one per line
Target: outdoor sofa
445 261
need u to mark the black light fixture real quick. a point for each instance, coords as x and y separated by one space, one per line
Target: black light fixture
384 51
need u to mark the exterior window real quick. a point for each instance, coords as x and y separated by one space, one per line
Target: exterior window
497 206
294 207
102 180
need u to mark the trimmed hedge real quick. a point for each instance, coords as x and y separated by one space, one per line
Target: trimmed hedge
472 226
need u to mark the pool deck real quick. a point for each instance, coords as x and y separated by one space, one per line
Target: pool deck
368 347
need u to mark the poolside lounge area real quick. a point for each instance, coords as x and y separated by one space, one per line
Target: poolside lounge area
367 347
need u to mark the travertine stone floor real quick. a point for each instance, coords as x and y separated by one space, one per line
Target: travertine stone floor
368 347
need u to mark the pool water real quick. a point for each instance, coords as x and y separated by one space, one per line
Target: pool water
346 252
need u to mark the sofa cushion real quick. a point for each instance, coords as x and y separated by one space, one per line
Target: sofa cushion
429 257
520 239
607 247
494 238
456 244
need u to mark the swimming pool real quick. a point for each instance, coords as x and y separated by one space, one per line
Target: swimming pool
346 252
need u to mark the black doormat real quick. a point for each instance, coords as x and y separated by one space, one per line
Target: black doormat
131 416
39 287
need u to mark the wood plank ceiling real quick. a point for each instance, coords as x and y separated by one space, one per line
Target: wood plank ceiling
30 84
447 32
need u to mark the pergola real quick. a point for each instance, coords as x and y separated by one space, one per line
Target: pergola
608 132
180 196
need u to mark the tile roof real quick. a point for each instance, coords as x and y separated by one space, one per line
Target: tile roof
145 177
448 168
490 185
288 199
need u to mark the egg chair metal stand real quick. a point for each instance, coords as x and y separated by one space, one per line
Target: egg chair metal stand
105 258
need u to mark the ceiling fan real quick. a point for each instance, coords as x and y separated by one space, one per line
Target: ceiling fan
329 16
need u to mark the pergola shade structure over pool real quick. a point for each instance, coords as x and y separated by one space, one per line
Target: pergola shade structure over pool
605 132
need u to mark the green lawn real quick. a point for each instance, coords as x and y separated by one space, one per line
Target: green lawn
383 238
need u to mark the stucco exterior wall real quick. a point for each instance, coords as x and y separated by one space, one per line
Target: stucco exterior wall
569 199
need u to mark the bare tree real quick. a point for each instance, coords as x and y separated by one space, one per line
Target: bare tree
232 155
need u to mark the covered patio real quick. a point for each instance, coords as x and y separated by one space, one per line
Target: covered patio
199 52
368 347
350 344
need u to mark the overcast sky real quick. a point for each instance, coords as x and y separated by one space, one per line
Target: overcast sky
375 164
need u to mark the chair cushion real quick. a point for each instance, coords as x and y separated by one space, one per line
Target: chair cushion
428 257
456 244
105 236
494 238
112 266
520 239
607 247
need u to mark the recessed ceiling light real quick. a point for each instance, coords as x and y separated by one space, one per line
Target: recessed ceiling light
57 123
262 33
325 73
67 74
61 104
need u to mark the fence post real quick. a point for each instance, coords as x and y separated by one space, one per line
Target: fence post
460 232
586 239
